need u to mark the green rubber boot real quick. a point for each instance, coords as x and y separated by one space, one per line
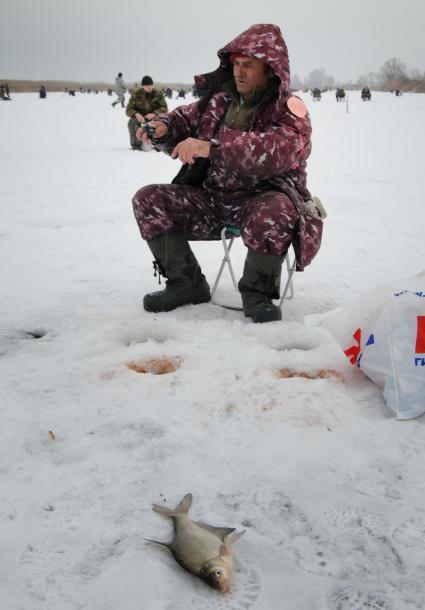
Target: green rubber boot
185 283
260 283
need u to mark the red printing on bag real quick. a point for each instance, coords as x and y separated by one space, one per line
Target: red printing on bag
353 352
420 336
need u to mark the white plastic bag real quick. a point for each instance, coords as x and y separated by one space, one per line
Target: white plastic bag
383 333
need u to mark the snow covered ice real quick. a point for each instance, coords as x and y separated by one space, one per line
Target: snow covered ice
329 486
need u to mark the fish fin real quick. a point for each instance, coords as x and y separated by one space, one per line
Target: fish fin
181 508
233 536
185 504
221 532
166 544
224 551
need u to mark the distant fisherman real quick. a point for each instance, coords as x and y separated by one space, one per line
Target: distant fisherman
144 104
120 89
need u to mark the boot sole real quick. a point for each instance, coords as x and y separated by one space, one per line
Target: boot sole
267 317
166 308
266 313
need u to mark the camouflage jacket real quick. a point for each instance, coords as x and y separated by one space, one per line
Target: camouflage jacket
270 154
144 102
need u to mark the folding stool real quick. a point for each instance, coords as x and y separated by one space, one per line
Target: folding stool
228 235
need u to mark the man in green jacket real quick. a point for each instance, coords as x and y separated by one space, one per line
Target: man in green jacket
144 104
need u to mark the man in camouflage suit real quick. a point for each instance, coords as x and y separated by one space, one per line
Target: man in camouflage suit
144 104
243 147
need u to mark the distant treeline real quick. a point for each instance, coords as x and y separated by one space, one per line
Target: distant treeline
392 75
22 86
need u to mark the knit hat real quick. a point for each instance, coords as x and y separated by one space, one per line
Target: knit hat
146 80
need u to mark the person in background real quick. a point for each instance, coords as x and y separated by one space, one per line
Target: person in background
120 89
4 92
366 94
317 94
244 148
340 94
42 92
144 104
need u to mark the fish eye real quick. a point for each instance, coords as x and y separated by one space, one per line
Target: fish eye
218 572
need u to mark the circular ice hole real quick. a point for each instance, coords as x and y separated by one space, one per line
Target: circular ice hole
155 366
35 334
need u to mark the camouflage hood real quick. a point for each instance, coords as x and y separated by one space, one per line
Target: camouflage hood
262 41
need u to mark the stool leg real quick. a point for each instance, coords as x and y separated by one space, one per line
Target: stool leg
226 261
289 286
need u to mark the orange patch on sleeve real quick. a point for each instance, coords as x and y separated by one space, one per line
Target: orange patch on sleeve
297 107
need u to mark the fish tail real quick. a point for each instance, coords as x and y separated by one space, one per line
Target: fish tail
181 508
168 512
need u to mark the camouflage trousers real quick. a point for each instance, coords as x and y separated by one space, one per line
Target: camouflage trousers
266 220
133 126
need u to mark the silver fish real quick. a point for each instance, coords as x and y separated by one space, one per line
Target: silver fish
203 550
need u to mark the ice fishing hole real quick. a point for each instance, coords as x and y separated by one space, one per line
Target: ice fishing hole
320 374
155 366
34 334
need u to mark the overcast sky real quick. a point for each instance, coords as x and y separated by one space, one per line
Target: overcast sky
172 40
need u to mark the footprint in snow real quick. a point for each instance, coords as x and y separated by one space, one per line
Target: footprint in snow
356 598
349 555
413 447
353 518
39 561
411 533
284 517
312 556
7 510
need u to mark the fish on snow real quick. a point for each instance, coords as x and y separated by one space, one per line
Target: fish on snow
201 549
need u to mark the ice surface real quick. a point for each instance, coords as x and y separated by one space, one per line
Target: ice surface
327 483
